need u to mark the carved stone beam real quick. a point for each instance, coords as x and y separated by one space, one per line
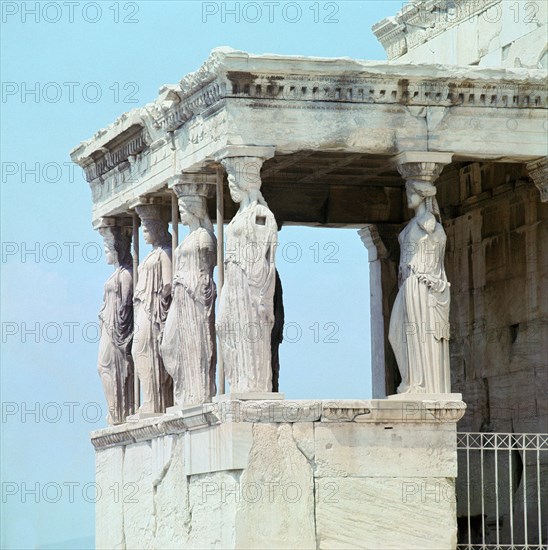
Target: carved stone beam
538 170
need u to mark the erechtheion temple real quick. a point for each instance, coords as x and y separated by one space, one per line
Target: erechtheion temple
437 157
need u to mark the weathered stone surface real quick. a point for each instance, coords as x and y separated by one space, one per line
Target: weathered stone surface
492 33
138 504
222 447
380 110
497 258
170 486
408 450
278 485
304 437
249 483
214 500
109 514
386 513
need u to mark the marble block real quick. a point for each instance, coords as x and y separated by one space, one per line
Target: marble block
332 474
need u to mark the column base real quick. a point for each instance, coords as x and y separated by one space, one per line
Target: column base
137 417
249 396
438 397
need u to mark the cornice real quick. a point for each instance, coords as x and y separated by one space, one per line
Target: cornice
440 409
268 80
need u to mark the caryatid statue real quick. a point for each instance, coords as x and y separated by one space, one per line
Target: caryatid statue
246 309
115 364
188 344
419 324
151 301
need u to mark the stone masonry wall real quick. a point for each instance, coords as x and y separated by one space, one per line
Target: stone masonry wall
497 263
345 474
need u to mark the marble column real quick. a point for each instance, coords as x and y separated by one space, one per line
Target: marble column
152 298
246 308
419 323
115 364
381 243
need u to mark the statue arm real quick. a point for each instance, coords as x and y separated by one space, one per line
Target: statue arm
126 287
427 222
430 271
165 291
162 289
266 235
207 253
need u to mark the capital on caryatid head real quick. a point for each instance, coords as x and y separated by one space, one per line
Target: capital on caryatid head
244 172
422 165
538 170
243 163
193 183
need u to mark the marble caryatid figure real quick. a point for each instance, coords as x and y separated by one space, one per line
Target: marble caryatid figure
115 364
188 344
419 324
151 301
246 309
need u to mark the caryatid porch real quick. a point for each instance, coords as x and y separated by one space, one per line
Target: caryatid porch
329 139
327 134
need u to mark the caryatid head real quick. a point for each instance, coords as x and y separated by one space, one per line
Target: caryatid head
421 191
192 198
117 241
154 220
244 178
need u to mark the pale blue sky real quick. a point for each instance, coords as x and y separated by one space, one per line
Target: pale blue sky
58 289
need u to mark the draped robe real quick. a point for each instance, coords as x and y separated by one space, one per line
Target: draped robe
151 301
188 345
246 309
115 364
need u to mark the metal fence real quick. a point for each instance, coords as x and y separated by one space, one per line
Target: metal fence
502 491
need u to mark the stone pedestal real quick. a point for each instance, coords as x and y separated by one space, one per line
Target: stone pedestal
281 474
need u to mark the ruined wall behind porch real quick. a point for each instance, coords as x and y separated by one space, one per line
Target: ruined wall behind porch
497 263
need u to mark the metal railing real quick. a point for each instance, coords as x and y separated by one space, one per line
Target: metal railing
502 491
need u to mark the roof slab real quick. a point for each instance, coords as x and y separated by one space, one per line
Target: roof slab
330 129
